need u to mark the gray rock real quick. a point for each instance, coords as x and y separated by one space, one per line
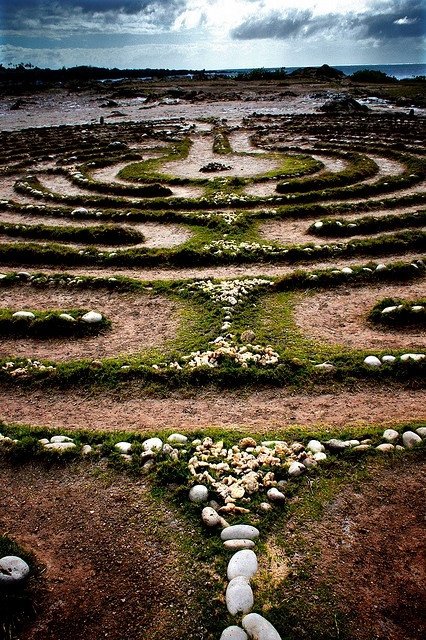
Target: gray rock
86 449
421 431
258 628
242 563
240 532
92 317
177 438
239 596
362 447
410 439
66 317
233 633
13 571
390 435
236 545
388 359
198 494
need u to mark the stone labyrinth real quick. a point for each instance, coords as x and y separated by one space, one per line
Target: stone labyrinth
141 223
280 251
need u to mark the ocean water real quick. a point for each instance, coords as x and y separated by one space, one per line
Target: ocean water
399 71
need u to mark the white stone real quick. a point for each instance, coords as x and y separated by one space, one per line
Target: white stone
239 596
26 315
177 438
152 444
60 446
318 224
80 210
390 435
123 447
320 456
240 532
60 439
233 633
417 308
13 570
67 317
236 545
421 431
325 366
86 449
242 563
388 359
198 494
389 309
410 439
386 447
362 447
296 469
211 518
274 495
315 446
92 317
415 357
347 270
258 628
381 267
372 361
42 441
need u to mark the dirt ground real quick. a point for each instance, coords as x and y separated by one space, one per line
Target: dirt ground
264 410
132 320
369 550
110 564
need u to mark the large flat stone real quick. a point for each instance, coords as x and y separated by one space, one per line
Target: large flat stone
240 532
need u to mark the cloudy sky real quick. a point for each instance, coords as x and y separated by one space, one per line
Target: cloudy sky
210 34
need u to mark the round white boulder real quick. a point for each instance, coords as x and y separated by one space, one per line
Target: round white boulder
421 431
60 446
236 545
13 570
296 469
410 439
23 315
152 444
233 633
315 446
242 563
177 438
240 532
198 494
386 447
92 317
258 628
123 447
390 435
239 596
275 495
372 361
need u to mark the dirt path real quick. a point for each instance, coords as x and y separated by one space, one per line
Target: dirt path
163 235
263 410
227 271
133 318
339 316
111 565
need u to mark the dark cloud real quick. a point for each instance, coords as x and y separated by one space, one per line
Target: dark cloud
383 21
22 15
